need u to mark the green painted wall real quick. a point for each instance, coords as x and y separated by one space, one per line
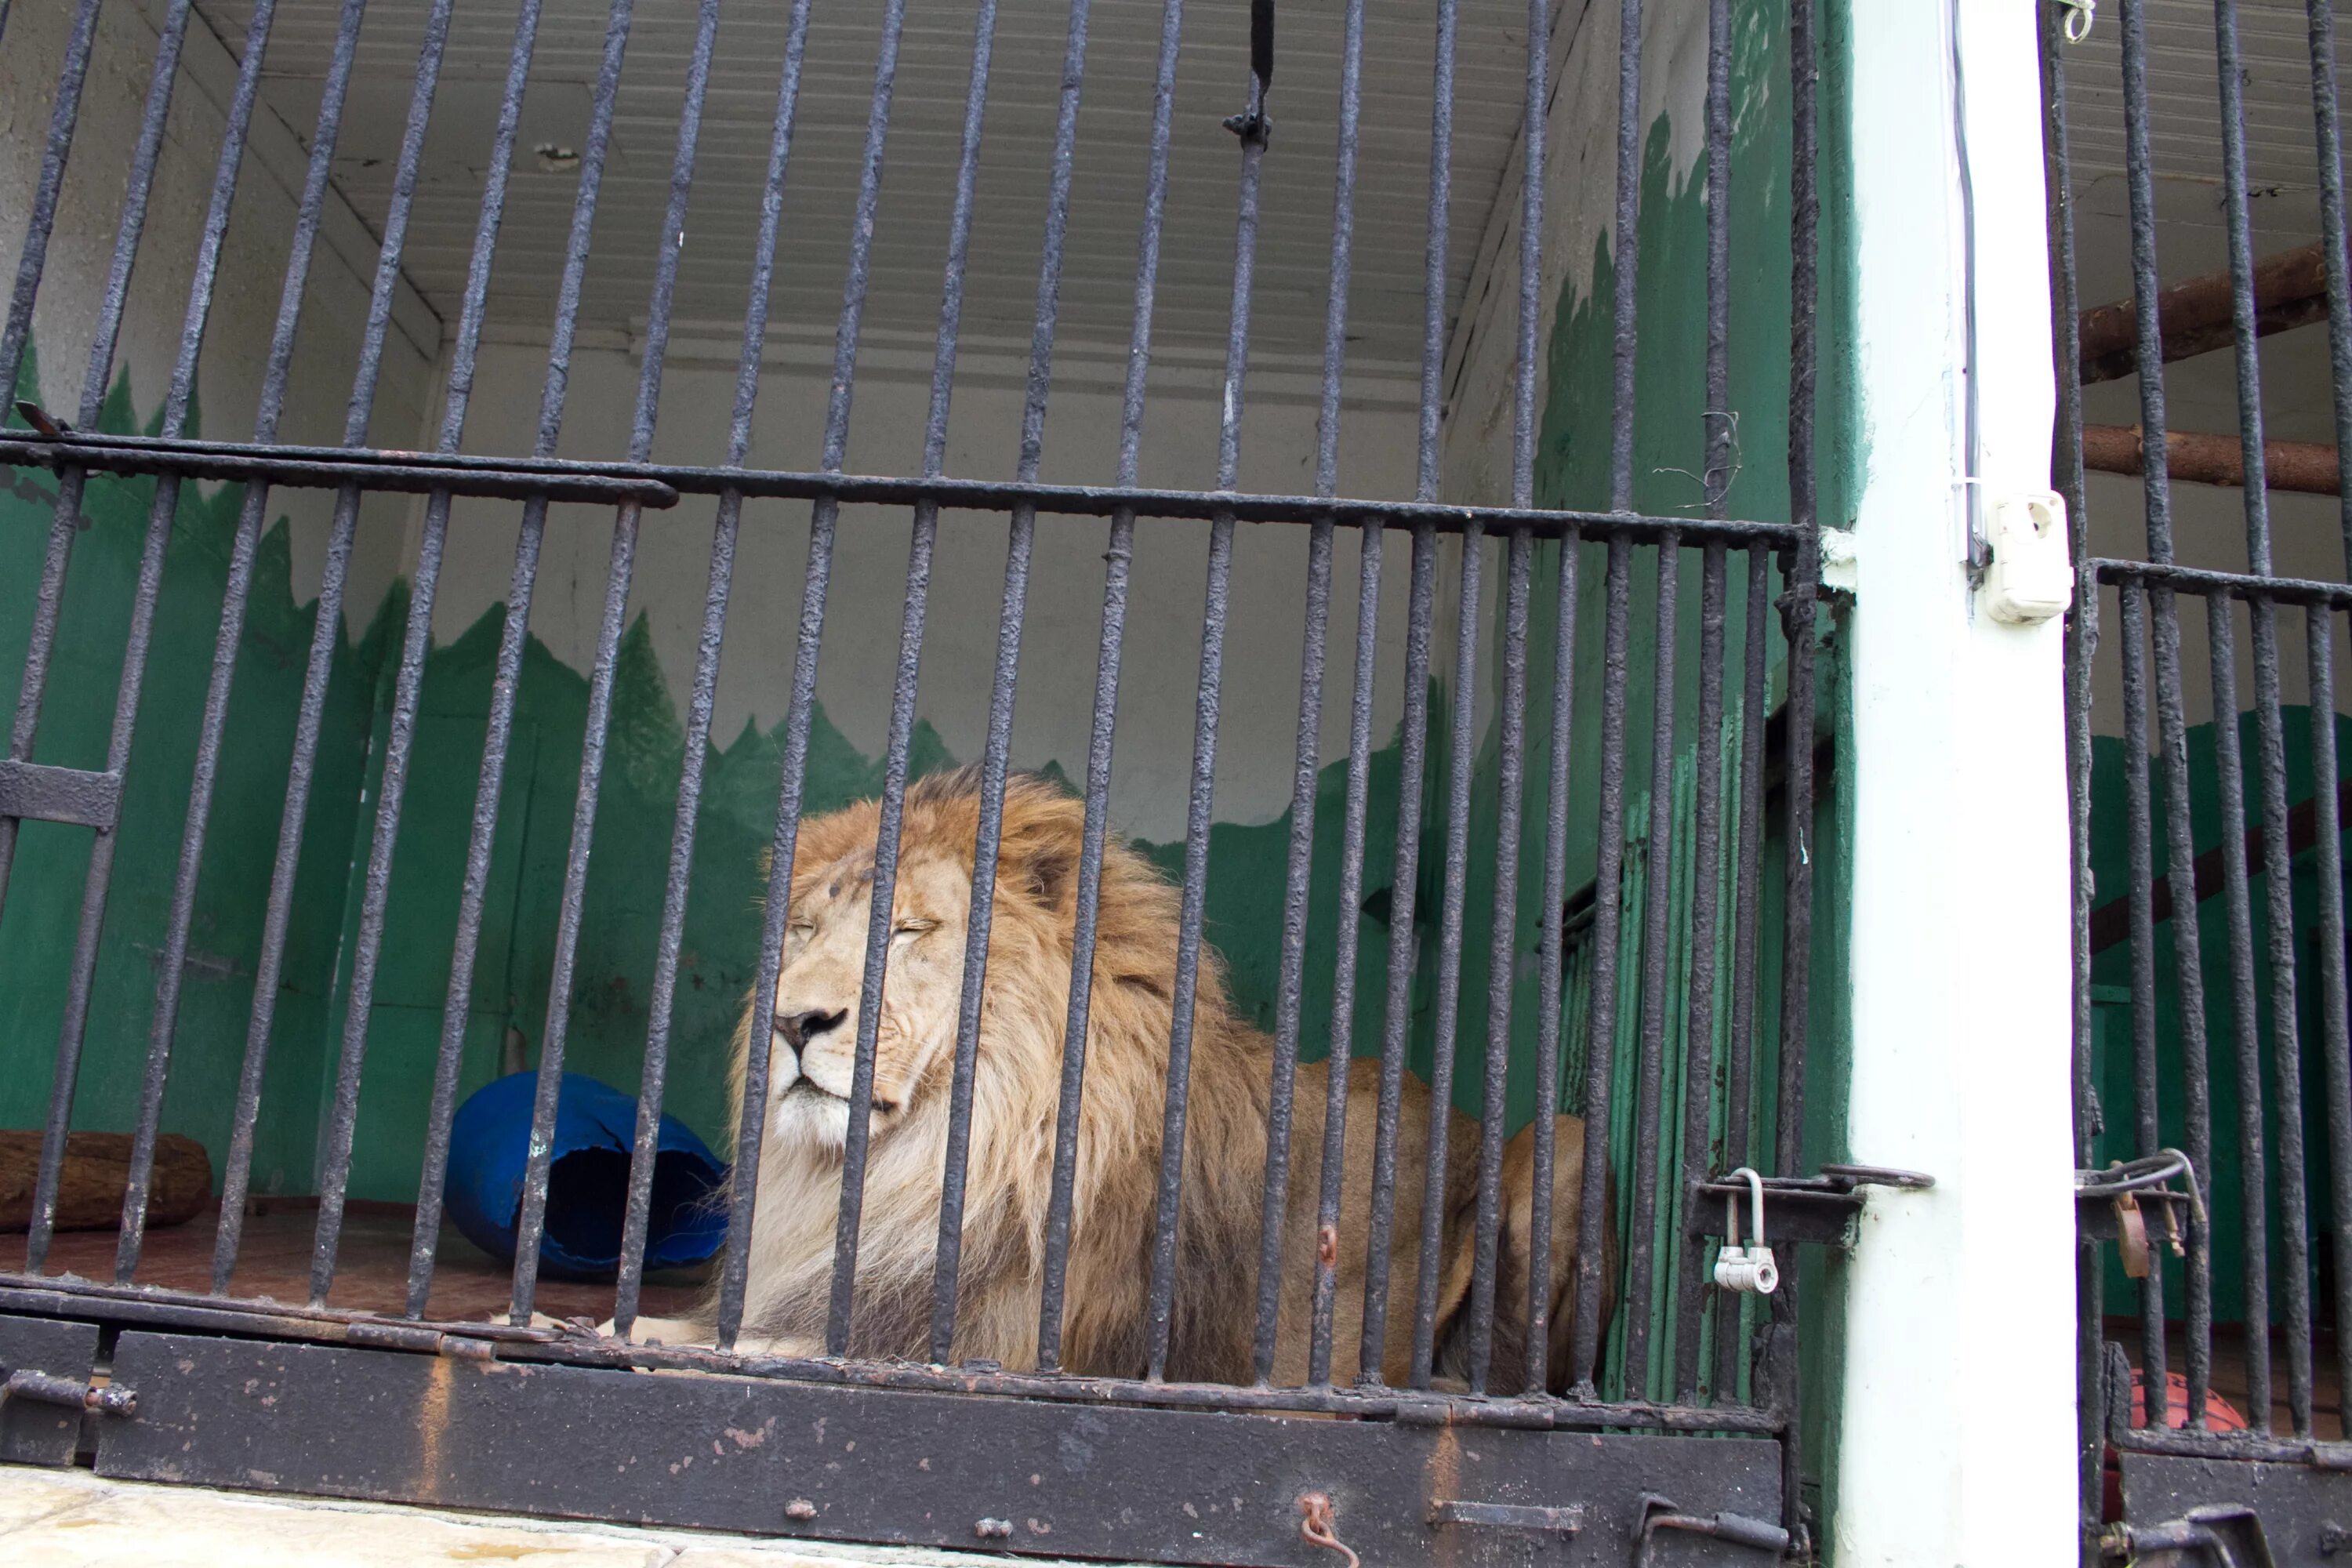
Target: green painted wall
37 935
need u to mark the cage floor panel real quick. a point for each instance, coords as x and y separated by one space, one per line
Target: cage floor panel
372 1273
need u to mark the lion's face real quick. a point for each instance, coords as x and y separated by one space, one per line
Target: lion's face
815 1049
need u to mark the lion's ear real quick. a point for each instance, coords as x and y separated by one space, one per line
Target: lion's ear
1045 866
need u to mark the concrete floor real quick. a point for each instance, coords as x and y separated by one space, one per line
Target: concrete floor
71 1519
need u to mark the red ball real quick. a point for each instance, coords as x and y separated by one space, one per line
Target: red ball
2219 1415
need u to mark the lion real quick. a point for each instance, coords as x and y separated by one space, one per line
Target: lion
1015 1093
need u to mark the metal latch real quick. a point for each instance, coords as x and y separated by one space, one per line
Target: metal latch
1748 1269
1804 1208
105 1398
1660 1513
2114 1205
2228 1536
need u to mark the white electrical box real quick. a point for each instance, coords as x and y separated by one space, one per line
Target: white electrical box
2031 579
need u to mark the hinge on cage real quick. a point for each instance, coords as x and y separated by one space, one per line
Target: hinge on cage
2080 15
1805 1208
105 1398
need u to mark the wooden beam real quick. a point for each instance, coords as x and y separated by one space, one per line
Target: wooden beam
2199 459
2290 291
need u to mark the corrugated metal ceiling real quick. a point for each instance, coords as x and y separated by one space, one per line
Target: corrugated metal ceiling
1096 298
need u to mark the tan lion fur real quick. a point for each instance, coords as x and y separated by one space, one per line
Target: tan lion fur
1016 1089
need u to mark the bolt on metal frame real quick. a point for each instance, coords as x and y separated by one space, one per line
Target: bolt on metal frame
1726 856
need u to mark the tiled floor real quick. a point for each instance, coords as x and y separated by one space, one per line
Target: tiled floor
71 1519
372 1272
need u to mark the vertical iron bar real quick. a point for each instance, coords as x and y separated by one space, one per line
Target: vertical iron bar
2287 1065
1343 983
2134 654
1251 127
1118 558
1501 952
745 1181
407 688
1551 975
1404 933
326 633
2245 1025
1323 1299
989 832
2329 125
1019 540
2082 644
83 976
637 1215
1804 579
1746 917
2180 874
1602 1049
1533 135
1600 1019
1299 868
65 108
2320 651
1649 1106
1396 1022
822 517
902 710
236 590
1460 764
530 1225
1698 1077
1297 871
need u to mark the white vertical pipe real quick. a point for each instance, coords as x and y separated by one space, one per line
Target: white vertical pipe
1956 1418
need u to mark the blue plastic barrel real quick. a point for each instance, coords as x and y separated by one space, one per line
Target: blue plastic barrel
587 1183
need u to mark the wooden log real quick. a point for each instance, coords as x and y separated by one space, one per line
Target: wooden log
2194 318
2196 457
95 1171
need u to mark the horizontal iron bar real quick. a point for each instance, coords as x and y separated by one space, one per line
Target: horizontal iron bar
2181 1443
71 796
71 1297
293 468
331 466
2233 584
897 1469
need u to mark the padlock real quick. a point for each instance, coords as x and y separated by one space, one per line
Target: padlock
1749 1270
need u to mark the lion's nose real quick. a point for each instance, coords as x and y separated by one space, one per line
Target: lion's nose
802 1028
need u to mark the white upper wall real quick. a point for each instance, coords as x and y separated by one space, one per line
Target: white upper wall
252 265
